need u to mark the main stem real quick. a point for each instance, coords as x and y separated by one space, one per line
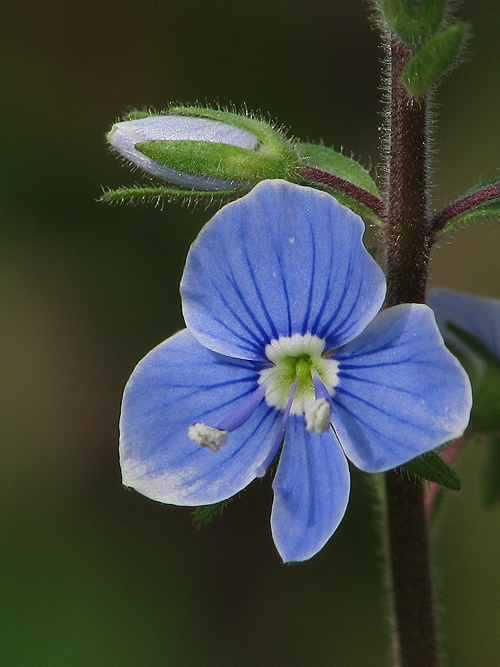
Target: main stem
407 244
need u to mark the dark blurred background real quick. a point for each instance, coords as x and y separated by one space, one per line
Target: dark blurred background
93 574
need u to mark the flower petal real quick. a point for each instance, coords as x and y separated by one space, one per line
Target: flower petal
311 490
284 259
175 385
400 392
476 315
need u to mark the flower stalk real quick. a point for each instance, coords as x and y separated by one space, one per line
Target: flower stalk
407 246
407 236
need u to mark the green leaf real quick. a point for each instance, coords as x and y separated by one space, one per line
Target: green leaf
434 59
490 473
335 163
372 250
430 466
206 513
414 20
483 185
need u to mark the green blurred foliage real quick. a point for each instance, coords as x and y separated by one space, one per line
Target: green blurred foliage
92 574
414 20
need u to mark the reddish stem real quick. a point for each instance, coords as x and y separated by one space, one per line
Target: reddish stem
360 194
407 243
462 205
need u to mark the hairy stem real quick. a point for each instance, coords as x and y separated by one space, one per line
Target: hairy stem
411 583
407 245
407 236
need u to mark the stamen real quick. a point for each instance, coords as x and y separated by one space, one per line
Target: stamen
318 416
260 471
207 436
243 412
214 437
320 390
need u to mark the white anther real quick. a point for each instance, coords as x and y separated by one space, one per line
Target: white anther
207 436
260 471
318 416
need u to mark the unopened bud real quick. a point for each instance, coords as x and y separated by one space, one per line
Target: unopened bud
204 149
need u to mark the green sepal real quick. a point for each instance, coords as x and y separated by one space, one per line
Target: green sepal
219 160
433 60
430 466
490 470
140 193
273 142
206 513
489 209
414 21
484 377
336 163
136 114
272 138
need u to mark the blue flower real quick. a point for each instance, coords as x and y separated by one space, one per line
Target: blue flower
470 325
475 315
284 349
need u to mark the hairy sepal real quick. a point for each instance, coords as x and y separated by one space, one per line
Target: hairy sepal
155 194
414 22
434 59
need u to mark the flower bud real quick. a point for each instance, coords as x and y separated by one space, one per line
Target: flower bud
204 149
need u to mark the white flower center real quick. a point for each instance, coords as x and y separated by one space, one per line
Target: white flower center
295 358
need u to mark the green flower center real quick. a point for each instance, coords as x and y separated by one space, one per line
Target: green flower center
296 358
